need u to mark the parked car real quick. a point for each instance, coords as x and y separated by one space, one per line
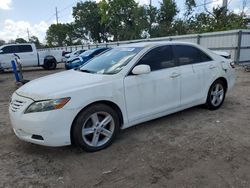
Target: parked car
75 62
125 86
73 54
29 56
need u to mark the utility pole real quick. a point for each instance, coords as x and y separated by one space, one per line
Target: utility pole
28 33
150 17
224 6
56 16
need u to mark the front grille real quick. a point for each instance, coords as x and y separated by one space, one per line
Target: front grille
15 105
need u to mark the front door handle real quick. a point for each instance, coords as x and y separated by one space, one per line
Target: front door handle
175 74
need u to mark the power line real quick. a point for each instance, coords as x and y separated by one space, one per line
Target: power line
52 16
203 4
69 6
229 2
65 8
60 10
206 3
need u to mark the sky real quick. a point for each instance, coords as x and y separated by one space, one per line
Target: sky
18 16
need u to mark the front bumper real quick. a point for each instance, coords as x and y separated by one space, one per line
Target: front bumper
50 128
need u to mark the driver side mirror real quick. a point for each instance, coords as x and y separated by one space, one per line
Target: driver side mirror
1 51
141 69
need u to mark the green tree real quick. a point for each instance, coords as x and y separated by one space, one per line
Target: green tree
168 10
190 5
2 42
217 20
35 40
152 14
20 40
227 20
60 35
87 21
56 35
123 19
113 20
71 36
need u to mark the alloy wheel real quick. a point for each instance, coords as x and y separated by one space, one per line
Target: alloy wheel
98 129
217 94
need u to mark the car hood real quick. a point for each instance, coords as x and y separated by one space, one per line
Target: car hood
59 84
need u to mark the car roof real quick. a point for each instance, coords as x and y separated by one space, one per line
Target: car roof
154 43
99 48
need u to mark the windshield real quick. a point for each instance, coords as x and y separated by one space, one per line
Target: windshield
79 52
110 62
88 52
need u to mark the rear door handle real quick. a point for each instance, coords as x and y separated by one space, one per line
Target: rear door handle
174 75
212 67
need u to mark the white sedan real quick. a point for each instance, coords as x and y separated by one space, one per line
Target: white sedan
128 85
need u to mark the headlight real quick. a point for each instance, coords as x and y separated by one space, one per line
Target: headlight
41 106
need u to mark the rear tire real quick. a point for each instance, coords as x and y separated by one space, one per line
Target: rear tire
50 64
216 95
95 128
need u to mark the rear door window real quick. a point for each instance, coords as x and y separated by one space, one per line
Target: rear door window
186 55
24 48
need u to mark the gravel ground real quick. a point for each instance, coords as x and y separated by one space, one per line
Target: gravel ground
192 148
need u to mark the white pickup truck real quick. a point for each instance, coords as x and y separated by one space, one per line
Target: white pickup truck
29 56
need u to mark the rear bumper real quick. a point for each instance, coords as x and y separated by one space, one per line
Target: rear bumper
231 78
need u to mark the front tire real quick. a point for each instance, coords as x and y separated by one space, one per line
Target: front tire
216 95
95 128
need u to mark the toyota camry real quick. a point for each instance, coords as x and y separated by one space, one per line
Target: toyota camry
125 86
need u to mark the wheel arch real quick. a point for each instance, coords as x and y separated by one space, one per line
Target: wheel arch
224 80
49 57
108 103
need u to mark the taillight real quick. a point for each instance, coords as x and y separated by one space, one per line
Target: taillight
232 64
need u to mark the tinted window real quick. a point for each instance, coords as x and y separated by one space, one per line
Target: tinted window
79 52
99 51
9 50
205 57
158 58
185 55
87 53
24 48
